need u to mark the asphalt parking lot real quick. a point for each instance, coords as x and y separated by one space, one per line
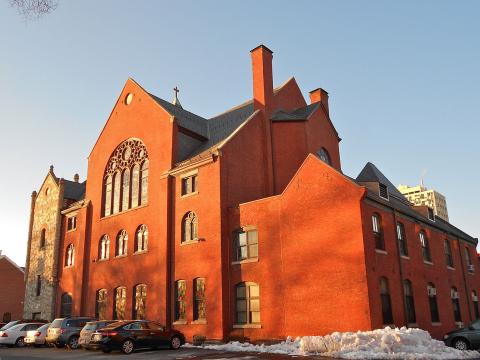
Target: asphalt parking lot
183 353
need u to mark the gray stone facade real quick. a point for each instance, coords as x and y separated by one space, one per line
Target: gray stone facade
43 260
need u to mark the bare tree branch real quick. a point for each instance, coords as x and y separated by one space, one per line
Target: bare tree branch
34 8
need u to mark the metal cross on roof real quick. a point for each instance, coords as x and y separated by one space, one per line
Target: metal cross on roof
176 90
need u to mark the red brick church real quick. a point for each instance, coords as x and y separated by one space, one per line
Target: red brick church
241 226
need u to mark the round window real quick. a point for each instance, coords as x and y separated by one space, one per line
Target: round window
324 156
128 98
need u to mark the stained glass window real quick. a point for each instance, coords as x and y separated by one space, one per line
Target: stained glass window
141 241
101 305
119 303
180 300
199 306
140 302
190 227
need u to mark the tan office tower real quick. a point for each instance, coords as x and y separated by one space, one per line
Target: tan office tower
420 195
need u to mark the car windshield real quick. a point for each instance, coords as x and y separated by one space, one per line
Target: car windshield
90 326
9 325
114 325
43 327
56 323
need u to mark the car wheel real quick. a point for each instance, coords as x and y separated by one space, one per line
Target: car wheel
175 343
20 342
127 347
73 343
460 344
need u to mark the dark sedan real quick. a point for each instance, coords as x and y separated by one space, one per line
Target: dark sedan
464 338
128 336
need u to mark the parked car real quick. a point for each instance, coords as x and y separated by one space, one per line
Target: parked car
89 329
37 337
127 336
465 338
66 331
2 324
15 334
23 321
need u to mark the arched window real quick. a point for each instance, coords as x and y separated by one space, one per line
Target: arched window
432 300
66 305
126 189
425 246
190 227
324 156
107 207
475 304
101 304
119 302
378 232
70 255
199 304
123 187
468 259
448 253
139 302
122 243
141 239
144 183
386 301
457 315
409 302
402 240
42 238
116 192
247 304
104 248
180 300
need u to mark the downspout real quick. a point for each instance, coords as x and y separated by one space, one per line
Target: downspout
400 270
169 286
464 280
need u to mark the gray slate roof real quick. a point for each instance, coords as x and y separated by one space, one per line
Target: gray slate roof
74 190
370 173
300 114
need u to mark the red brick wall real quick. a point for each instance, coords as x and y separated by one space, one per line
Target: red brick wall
12 289
418 272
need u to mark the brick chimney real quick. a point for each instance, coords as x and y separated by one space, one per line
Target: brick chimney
263 101
319 95
76 178
262 79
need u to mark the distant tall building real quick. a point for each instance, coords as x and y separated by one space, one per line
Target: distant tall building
420 195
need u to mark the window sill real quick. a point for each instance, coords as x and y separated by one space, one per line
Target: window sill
379 251
100 260
471 272
180 322
120 256
68 267
428 262
412 325
190 242
450 268
246 261
436 324
123 212
71 230
459 323
140 252
247 326
188 195
199 322
405 257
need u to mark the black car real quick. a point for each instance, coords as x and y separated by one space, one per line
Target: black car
127 336
465 338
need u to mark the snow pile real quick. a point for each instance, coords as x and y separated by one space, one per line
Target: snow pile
377 344
287 347
383 344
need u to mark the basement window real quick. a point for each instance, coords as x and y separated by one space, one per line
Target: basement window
383 191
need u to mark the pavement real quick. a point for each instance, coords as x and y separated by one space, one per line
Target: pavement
181 354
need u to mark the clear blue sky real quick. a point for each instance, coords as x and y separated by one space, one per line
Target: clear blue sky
403 79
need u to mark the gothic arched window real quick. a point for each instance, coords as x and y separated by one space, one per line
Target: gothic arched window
122 243
141 239
70 255
126 178
66 305
104 248
120 300
190 227
101 305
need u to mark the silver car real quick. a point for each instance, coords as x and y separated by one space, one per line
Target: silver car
89 329
37 337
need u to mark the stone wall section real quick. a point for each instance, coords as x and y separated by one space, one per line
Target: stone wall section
43 261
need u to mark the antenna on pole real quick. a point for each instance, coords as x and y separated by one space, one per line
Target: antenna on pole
422 177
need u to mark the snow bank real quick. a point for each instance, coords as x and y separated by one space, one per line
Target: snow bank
383 344
378 344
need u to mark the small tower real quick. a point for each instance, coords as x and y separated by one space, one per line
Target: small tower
175 100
